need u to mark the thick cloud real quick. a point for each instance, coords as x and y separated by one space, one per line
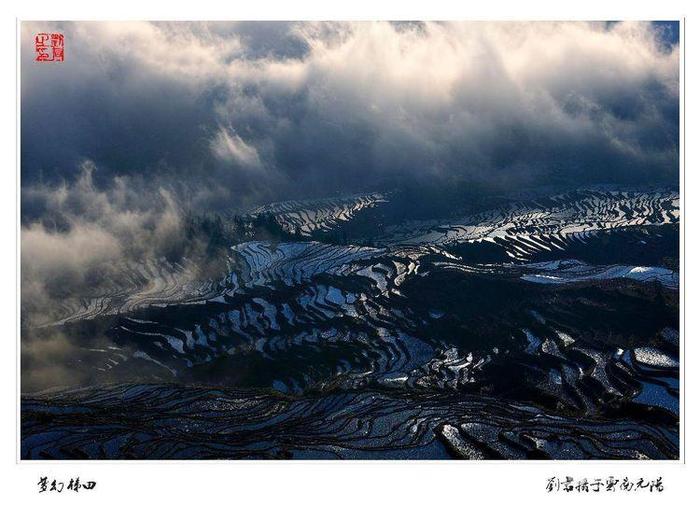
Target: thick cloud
235 113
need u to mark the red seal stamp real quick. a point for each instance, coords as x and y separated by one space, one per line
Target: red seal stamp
50 47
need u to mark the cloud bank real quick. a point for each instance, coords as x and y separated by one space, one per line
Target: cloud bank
239 113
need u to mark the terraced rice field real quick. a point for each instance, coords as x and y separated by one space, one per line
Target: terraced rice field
542 329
